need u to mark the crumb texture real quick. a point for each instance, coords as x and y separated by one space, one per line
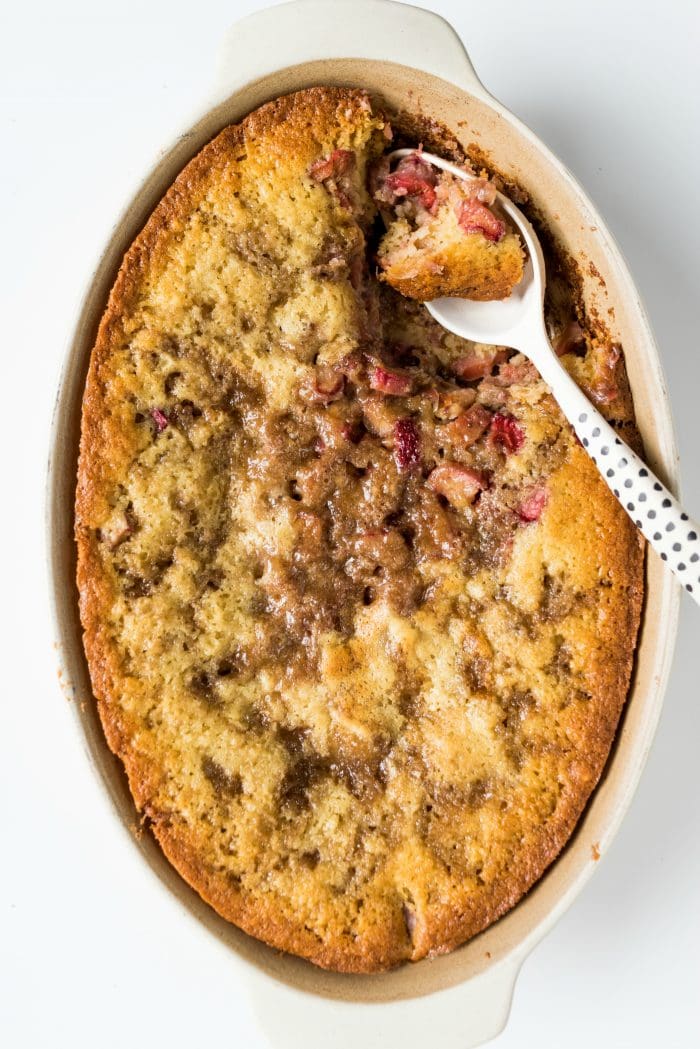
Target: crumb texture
358 610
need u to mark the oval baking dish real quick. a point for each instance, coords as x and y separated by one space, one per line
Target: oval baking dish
461 998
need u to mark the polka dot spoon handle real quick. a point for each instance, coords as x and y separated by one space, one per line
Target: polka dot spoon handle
518 321
656 513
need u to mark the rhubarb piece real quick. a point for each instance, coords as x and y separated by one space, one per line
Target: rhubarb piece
325 386
391 382
478 364
475 217
458 484
470 425
443 235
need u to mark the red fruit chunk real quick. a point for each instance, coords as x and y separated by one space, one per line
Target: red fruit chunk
338 163
392 383
159 418
469 426
474 217
507 433
406 185
413 178
532 505
406 444
477 365
458 484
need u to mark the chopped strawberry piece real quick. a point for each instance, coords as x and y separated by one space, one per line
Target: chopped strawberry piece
404 184
160 419
414 177
477 365
458 484
407 444
338 163
474 217
470 425
532 505
392 383
507 433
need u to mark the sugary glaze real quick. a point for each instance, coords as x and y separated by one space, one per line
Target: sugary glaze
359 612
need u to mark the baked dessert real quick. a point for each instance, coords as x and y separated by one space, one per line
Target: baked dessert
358 610
444 234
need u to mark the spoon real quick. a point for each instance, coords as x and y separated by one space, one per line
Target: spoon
518 322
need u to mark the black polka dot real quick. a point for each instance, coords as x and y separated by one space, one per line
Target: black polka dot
670 526
618 441
666 503
622 462
638 524
616 493
604 450
657 486
692 536
582 418
643 472
689 588
681 566
628 482
657 535
676 547
651 515
630 506
596 431
609 473
684 517
584 442
694 558
642 497
664 557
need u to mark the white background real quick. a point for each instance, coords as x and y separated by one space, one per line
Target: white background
92 954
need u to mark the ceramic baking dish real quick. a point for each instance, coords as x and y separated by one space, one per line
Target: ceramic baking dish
415 61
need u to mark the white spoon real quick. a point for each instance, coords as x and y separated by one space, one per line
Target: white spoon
518 322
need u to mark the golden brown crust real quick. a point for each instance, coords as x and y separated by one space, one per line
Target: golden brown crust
608 546
446 273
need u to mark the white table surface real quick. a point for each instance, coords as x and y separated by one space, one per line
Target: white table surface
92 953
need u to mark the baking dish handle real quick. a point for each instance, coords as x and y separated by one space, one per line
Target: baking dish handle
461 1017
313 30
